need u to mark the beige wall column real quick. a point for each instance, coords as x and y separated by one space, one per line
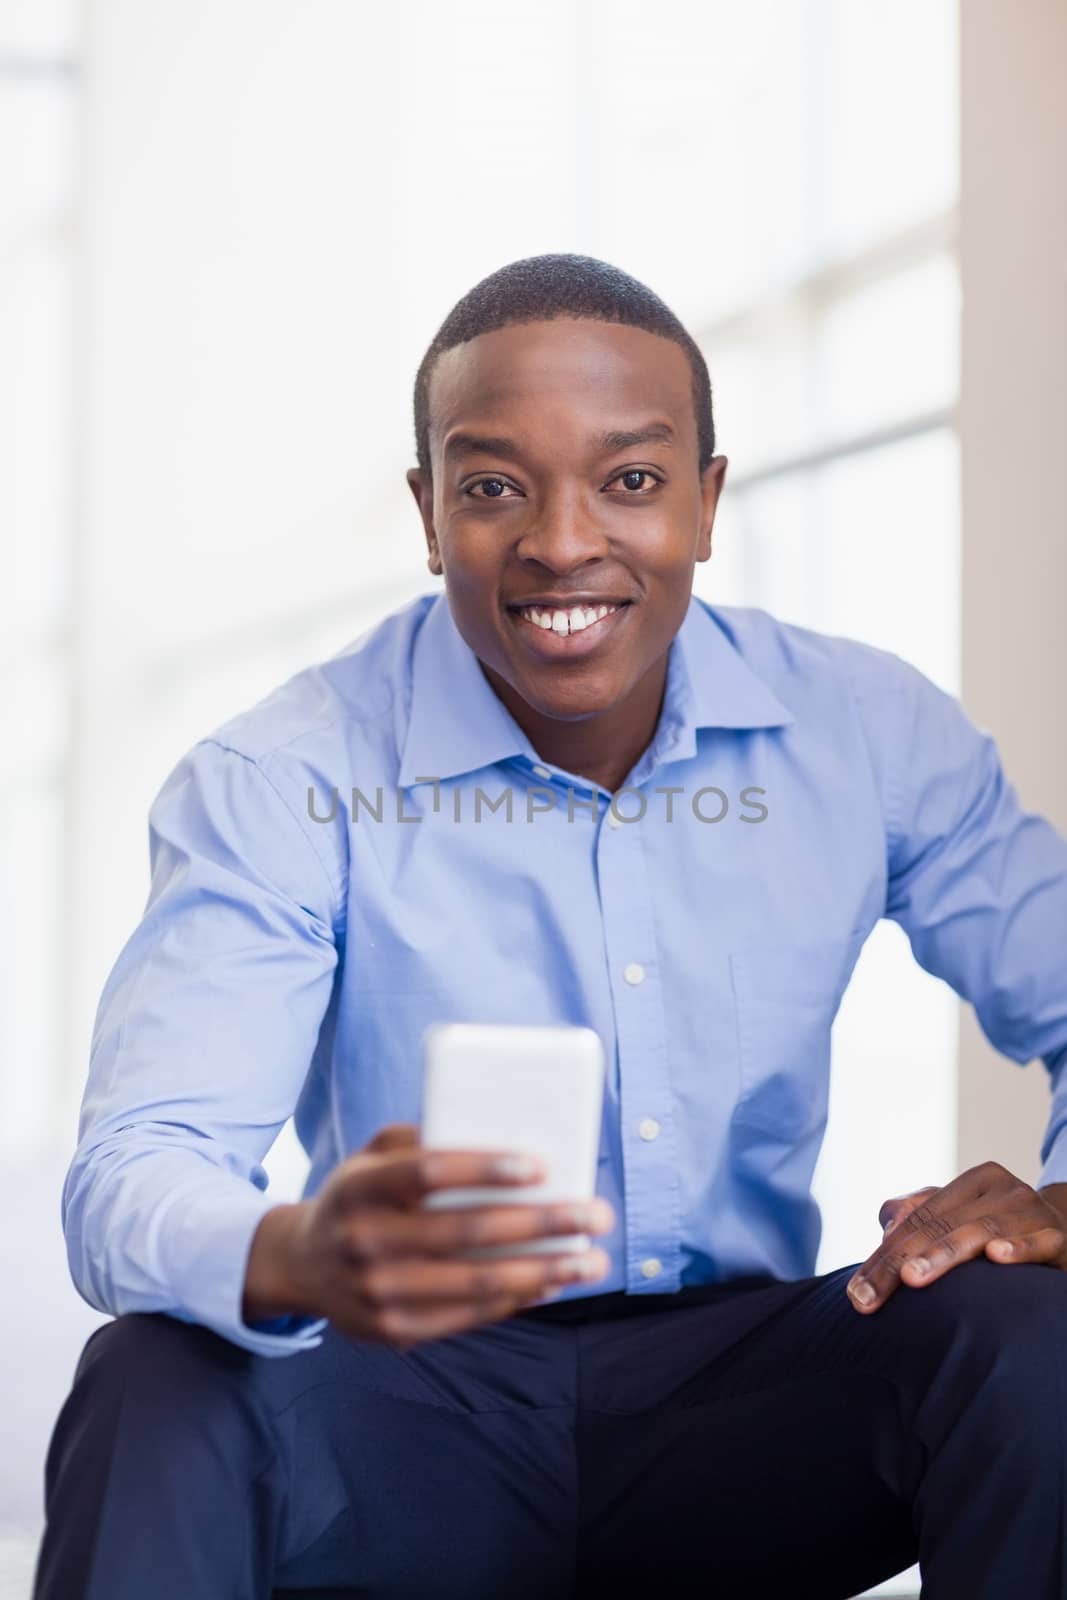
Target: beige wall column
1013 419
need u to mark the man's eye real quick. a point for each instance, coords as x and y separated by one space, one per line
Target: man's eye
632 481
494 488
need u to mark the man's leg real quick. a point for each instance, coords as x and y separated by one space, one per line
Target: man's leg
183 1466
777 1442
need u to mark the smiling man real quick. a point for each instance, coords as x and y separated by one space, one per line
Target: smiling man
568 542
563 790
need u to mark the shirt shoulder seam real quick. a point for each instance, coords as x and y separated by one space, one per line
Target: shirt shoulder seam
336 897
892 785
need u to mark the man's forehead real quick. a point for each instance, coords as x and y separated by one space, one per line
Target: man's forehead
609 371
474 440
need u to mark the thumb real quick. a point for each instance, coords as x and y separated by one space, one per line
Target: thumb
366 1177
394 1136
893 1212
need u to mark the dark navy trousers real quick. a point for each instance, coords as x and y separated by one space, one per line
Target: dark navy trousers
755 1438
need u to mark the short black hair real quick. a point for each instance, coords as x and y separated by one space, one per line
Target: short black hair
542 288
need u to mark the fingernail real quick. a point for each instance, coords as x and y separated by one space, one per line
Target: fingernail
1005 1247
593 1215
861 1291
919 1265
581 1216
524 1169
578 1267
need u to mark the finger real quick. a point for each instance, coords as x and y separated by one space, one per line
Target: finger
372 1233
922 1255
985 1187
414 1284
998 1204
1044 1244
967 1241
403 1327
893 1211
405 1177
878 1278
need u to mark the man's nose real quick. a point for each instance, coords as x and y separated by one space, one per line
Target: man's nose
565 533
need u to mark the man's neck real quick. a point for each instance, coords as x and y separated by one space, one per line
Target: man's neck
602 749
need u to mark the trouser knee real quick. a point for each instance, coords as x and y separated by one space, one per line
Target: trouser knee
145 1377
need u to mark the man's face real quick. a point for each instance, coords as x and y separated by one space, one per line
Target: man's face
565 475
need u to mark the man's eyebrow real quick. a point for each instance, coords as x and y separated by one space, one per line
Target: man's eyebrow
463 444
467 444
621 439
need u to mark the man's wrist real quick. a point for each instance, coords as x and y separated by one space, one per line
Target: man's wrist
1056 1195
269 1288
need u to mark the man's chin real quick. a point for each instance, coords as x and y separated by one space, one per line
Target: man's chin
564 692
567 703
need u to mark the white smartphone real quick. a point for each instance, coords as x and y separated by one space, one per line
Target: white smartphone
504 1086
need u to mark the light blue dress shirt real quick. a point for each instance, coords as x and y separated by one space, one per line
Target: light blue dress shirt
327 880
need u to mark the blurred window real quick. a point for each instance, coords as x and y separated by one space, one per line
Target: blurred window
835 390
38 111
255 297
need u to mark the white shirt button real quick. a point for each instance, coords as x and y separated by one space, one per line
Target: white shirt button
648 1128
651 1268
634 973
614 820
542 772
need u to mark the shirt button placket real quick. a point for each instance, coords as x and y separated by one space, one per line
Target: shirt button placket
650 1174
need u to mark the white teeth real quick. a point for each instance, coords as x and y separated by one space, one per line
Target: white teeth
564 622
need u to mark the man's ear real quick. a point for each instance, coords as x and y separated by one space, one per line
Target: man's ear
711 482
421 486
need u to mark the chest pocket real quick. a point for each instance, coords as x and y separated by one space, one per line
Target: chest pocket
786 995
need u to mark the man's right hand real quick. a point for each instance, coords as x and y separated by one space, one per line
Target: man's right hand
367 1255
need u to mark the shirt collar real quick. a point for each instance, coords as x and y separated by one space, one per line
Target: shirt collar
458 724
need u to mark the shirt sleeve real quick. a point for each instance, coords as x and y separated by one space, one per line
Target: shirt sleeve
980 887
204 1036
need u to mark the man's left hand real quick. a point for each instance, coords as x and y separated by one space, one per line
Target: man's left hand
985 1211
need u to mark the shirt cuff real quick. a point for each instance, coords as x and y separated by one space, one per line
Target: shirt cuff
206 1239
197 1244
1054 1169
1054 1144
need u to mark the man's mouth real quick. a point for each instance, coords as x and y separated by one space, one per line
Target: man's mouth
564 621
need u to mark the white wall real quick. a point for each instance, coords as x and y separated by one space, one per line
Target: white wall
1013 422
